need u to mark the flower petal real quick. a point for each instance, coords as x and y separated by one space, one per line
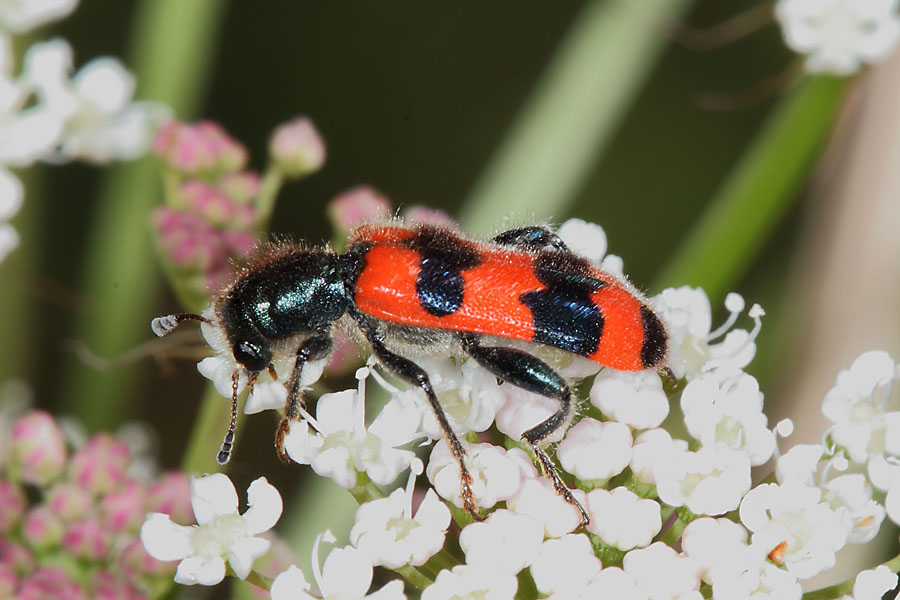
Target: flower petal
213 496
265 506
198 569
165 540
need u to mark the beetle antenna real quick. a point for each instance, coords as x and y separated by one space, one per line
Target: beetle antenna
225 449
165 324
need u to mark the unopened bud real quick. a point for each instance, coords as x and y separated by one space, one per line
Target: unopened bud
296 148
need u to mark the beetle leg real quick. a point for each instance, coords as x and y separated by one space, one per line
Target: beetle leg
530 373
314 348
535 237
414 374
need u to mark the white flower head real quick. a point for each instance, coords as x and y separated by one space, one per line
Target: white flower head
345 575
337 443
711 481
652 447
389 534
851 496
635 398
221 533
497 474
595 450
585 239
505 541
661 572
467 582
623 519
726 408
839 36
863 407
538 499
565 566
21 16
792 526
688 317
872 584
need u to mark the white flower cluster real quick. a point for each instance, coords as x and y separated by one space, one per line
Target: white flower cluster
839 36
667 515
47 114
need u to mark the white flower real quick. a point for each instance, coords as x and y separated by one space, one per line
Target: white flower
524 410
21 16
221 531
613 582
636 399
623 519
851 496
652 447
346 575
11 195
505 541
341 444
538 499
872 584
467 582
799 464
839 35
565 566
716 544
661 572
859 404
497 474
711 481
688 318
388 534
757 580
726 409
595 450
469 395
792 526
583 238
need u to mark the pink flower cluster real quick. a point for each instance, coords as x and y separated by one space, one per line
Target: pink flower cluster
210 218
84 507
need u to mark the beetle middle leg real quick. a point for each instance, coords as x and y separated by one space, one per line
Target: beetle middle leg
414 374
530 373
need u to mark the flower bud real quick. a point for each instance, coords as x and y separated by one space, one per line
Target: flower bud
48 582
171 495
38 448
198 149
416 215
68 501
12 506
8 581
87 539
16 556
42 528
100 466
105 585
296 148
124 509
242 187
135 562
357 205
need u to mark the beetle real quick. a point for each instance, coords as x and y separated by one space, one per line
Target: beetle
429 287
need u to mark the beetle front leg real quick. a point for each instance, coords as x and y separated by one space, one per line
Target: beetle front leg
314 348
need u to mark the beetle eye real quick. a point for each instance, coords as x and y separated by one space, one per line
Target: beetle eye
251 356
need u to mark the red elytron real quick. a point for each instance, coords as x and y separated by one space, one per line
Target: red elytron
433 289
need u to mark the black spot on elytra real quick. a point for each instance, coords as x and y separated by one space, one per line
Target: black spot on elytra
564 314
444 256
653 349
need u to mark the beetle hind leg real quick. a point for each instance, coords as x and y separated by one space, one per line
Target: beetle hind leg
530 373
314 348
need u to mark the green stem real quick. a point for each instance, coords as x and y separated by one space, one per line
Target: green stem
759 190
260 581
206 436
570 117
414 576
171 56
271 183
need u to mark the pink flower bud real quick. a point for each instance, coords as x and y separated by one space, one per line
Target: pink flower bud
16 556
135 562
357 205
416 215
8 581
296 148
207 201
171 494
123 510
12 506
239 243
42 528
50 584
38 448
87 539
241 187
198 149
105 585
69 501
100 466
